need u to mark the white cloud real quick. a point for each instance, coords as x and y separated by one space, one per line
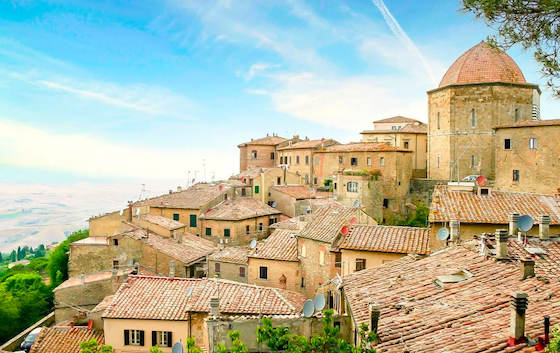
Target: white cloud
256 69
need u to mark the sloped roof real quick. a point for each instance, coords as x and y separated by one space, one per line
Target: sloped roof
420 128
250 174
326 222
162 298
235 254
64 339
468 316
194 197
483 64
267 141
397 119
529 123
164 222
468 207
280 245
308 144
363 147
294 223
90 278
298 192
238 209
392 239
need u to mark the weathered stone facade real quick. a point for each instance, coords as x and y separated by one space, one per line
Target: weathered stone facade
241 232
280 274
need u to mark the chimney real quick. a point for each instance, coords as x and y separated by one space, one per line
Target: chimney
215 307
512 219
114 272
124 276
171 269
82 279
179 189
375 311
544 227
170 191
130 211
454 225
519 303
482 245
527 268
501 244
180 237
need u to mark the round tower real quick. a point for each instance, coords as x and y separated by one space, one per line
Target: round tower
484 87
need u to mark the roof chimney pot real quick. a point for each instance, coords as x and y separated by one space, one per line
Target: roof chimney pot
171 269
527 268
519 301
512 219
454 225
501 244
544 227
375 311
215 307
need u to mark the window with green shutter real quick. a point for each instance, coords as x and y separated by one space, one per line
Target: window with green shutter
209 231
193 221
175 216
226 232
256 189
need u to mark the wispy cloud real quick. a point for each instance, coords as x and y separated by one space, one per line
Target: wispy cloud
256 69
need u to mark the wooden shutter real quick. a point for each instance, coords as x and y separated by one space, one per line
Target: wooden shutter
126 337
169 339
154 338
142 338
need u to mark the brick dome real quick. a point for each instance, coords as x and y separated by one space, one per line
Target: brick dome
483 64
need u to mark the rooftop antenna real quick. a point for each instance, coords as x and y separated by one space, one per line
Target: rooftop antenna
308 308
443 234
141 192
525 223
195 172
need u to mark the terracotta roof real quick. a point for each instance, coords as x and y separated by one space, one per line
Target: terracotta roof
407 129
483 64
298 192
295 223
194 197
235 254
471 315
90 278
103 305
529 123
164 222
192 248
326 222
238 209
91 241
397 119
267 141
250 174
307 144
280 245
363 147
392 239
64 339
162 298
468 207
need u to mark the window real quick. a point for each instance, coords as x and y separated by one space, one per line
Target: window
437 162
279 181
507 144
303 250
394 127
243 192
209 231
438 122
335 185
116 242
272 155
254 154
256 189
316 160
321 257
368 160
315 181
338 260
472 161
217 267
175 216
382 161
533 143
272 221
290 159
352 186
260 227
306 159
385 203
263 272
302 282
354 161
226 232
473 118
360 264
340 159
115 264
161 338
297 159
247 230
406 144
133 337
516 115
515 175
225 197
307 178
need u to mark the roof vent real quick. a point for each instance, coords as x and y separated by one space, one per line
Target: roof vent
459 276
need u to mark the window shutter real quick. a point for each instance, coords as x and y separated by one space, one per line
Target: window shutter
169 339
126 337
154 338
142 338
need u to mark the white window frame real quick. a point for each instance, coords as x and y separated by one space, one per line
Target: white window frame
134 337
382 161
352 186
162 339
321 257
533 143
368 161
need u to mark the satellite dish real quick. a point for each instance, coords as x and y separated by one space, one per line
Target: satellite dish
138 212
319 302
177 348
443 234
356 204
253 244
354 220
335 197
274 204
308 308
221 187
345 230
121 212
480 180
525 223
243 179
189 292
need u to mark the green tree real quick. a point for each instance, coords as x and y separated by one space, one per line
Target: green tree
92 346
34 297
1 259
38 265
13 256
9 315
155 349
533 24
18 254
58 259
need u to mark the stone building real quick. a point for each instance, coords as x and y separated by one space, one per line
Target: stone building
261 153
298 157
230 263
286 197
483 88
259 180
527 156
163 226
406 133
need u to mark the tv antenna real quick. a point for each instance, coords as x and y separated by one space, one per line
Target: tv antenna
141 192
443 234
308 308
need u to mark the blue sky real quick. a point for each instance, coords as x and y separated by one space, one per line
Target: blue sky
147 90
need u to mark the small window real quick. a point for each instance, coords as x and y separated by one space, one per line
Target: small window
242 272
226 232
290 159
385 203
297 159
279 181
133 337
272 221
533 143
316 160
472 161
354 161
315 181
161 338
272 155
340 159
368 160
257 189
263 272
338 260
437 162
515 175
473 118
116 242
438 122
306 159
335 185
303 250
254 154
352 186
217 267
302 282
209 231
360 264
507 144
394 127
243 192
115 264
175 216
406 144
516 115
247 230
321 257
261 227
382 161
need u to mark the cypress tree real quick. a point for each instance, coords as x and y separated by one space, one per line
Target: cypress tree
13 256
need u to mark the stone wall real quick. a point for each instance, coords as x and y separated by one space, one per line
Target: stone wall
313 271
373 258
228 270
238 230
109 224
277 270
89 258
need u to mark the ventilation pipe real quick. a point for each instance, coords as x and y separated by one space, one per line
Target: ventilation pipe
215 307
180 237
375 311
82 279
512 220
501 244
171 269
454 226
527 268
544 227
519 303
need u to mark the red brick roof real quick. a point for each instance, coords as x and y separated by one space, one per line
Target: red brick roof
266 141
296 191
363 147
64 339
280 245
468 316
235 254
163 222
468 207
407 129
307 144
194 197
295 223
483 64
392 239
250 174
161 298
239 209
529 123
397 119
90 278
326 222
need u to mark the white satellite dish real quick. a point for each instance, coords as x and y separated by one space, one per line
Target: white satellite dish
177 348
443 234
308 308
335 197
189 292
121 212
274 204
138 212
525 223
319 302
253 244
356 204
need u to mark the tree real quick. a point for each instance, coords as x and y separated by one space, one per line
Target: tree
9 315
13 256
155 349
18 254
58 260
92 346
533 24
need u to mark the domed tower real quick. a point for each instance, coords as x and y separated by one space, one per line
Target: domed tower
483 88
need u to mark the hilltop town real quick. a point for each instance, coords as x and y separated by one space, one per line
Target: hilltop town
440 237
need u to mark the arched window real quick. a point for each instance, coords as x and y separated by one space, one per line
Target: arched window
254 154
473 118
516 115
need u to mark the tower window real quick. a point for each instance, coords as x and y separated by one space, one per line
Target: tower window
352 186
354 161
516 115
507 144
472 161
382 161
515 175
254 154
533 143
272 155
437 162
473 118
438 122
406 144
